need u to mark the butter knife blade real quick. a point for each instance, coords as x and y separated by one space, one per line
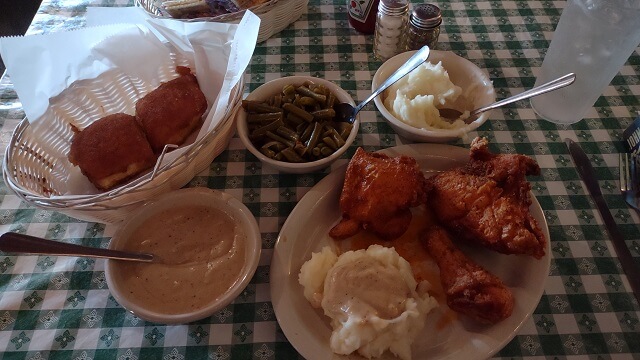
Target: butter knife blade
588 176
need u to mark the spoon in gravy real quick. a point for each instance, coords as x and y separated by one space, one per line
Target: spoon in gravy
11 242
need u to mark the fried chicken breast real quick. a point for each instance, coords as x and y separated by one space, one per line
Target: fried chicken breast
111 151
378 193
487 202
469 288
171 112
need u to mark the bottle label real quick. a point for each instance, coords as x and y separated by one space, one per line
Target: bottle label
360 9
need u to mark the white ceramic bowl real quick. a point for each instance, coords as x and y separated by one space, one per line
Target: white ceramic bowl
462 73
273 87
174 200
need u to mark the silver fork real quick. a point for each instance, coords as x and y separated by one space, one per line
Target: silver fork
629 180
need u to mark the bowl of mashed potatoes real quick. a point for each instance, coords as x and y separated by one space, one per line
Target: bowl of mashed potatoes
445 80
206 246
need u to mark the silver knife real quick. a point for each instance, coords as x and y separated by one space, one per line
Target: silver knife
588 176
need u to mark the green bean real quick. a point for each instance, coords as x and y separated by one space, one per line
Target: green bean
318 89
307 101
315 136
300 128
277 137
291 155
263 117
299 112
274 145
288 98
326 151
329 141
287 133
268 152
289 89
264 129
344 129
316 152
258 107
333 134
303 90
307 132
326 114
331 100
300 149
276 101
295 119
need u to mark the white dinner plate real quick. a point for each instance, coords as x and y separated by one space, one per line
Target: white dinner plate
306 231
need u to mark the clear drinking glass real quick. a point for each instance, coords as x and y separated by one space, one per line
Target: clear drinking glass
594 38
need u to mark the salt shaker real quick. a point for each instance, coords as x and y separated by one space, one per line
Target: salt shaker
391 27
424 26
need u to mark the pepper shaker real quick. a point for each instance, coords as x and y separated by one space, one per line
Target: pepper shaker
424 26
391 27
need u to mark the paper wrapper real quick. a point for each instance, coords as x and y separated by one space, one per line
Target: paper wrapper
70 79
631 136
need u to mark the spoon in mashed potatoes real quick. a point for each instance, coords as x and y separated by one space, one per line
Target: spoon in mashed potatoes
453 114
345 112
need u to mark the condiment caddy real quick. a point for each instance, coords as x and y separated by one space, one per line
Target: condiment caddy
396 28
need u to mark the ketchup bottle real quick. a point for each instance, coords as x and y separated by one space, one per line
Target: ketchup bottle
362 15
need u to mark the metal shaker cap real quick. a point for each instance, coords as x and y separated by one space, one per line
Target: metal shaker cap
426 16
393 6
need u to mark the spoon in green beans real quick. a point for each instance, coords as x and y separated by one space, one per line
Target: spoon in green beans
347 113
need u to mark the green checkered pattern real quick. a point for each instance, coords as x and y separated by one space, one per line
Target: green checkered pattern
60 308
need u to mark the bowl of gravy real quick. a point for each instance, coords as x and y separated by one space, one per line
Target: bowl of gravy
206 247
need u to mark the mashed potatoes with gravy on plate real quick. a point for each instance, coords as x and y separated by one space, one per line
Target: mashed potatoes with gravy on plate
415 98
372 298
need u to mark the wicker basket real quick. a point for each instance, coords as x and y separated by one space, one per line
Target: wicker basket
30 171
275 15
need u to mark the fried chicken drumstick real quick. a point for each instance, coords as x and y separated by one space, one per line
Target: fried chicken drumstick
377 195
487 202
469 289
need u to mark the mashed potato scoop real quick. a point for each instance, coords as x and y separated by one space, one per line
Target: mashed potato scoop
374 302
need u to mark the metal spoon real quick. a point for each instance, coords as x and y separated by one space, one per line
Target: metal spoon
25 244
453 114
347 113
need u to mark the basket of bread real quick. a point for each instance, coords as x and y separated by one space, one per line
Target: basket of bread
119 133
275 15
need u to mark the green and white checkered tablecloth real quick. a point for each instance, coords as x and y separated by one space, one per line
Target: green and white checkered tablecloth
60 307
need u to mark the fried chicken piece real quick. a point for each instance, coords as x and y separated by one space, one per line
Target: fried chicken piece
487 202
469 288
508 170
111 151
377 195
171 112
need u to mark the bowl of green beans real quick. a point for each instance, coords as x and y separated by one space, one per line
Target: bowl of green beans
289 123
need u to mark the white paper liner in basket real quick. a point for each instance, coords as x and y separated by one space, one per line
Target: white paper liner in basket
26 170
36 166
